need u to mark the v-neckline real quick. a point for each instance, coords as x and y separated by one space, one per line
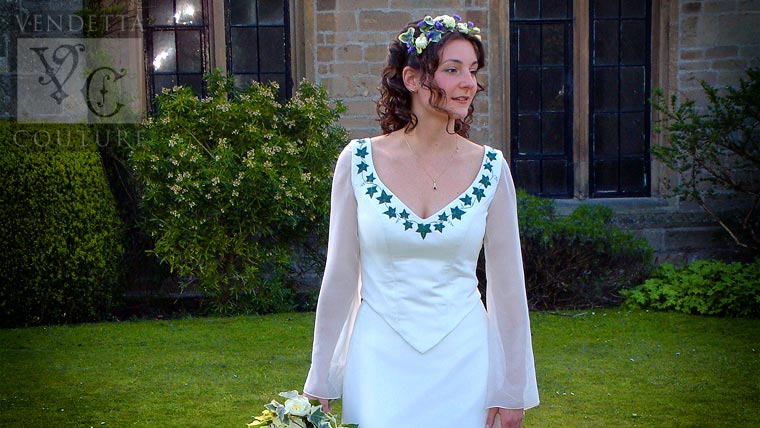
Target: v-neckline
457 198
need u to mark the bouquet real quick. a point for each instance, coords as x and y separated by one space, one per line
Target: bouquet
297 412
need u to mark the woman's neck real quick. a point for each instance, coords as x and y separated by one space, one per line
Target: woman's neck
433 136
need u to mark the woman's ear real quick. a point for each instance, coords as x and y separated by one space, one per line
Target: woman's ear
411 79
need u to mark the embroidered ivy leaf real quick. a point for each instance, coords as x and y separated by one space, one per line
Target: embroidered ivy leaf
467 200
423 229
408 225
390 212
488 166
439 227
403 214
371 191
485 181
457 213
362 152
362 167
370 178
478 193
491 155
443 217
384 198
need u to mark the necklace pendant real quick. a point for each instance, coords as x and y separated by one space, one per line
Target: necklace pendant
435 185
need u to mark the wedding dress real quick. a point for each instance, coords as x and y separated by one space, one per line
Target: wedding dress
401 333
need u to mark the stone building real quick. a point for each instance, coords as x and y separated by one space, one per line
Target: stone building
567 82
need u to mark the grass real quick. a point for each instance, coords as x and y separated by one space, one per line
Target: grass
608 368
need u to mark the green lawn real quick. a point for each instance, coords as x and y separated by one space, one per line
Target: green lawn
608 368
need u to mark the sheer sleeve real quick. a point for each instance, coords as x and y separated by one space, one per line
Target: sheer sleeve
512 375
339 294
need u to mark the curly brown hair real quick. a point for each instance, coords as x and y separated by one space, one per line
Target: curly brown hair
394 108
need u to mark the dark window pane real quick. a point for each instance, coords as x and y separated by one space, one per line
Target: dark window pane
244 42
552 89
527 90
605 9
632 134
605 89
242 81
188 12
605 42
189 58
529 44
528 135
161 12
527 175
605 142
271 12
606 176
632 88
633 8
163 81
553 133
632 175
194 81
553 44
553 8
242 12
633 41
555 176
272 49
525 9
164 54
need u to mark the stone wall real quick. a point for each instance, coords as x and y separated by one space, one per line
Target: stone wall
717 41
352 39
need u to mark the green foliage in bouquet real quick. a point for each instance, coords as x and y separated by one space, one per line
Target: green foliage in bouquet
296 412
705 287
235 186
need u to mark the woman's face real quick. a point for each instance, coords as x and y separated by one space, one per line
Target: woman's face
456 77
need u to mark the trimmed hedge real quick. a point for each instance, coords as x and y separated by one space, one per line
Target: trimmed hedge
59 229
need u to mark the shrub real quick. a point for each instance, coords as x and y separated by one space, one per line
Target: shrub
715 151
59 229
703 287
579 260
234 187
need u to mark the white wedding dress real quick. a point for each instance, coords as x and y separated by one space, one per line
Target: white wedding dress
401 334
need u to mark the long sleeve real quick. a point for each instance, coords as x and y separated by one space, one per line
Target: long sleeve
512 377
339 293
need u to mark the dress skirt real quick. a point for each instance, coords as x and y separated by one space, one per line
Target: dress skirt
388 383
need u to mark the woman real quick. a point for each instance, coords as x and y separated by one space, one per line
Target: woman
401 333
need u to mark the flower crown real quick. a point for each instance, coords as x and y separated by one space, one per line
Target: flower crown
432 29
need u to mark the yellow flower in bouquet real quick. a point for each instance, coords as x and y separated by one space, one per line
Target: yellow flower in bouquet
296 412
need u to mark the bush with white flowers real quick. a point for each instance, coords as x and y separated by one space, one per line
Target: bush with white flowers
234 185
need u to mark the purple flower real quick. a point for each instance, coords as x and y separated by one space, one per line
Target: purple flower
457 17
470 24
430 34
439 25
420 24
410 48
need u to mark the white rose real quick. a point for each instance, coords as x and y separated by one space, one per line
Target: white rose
421 43
298 406
448 21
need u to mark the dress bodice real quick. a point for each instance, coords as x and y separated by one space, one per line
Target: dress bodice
419 273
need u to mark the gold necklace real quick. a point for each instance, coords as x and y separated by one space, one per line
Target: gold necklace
417 159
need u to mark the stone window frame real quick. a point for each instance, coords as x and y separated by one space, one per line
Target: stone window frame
663 68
